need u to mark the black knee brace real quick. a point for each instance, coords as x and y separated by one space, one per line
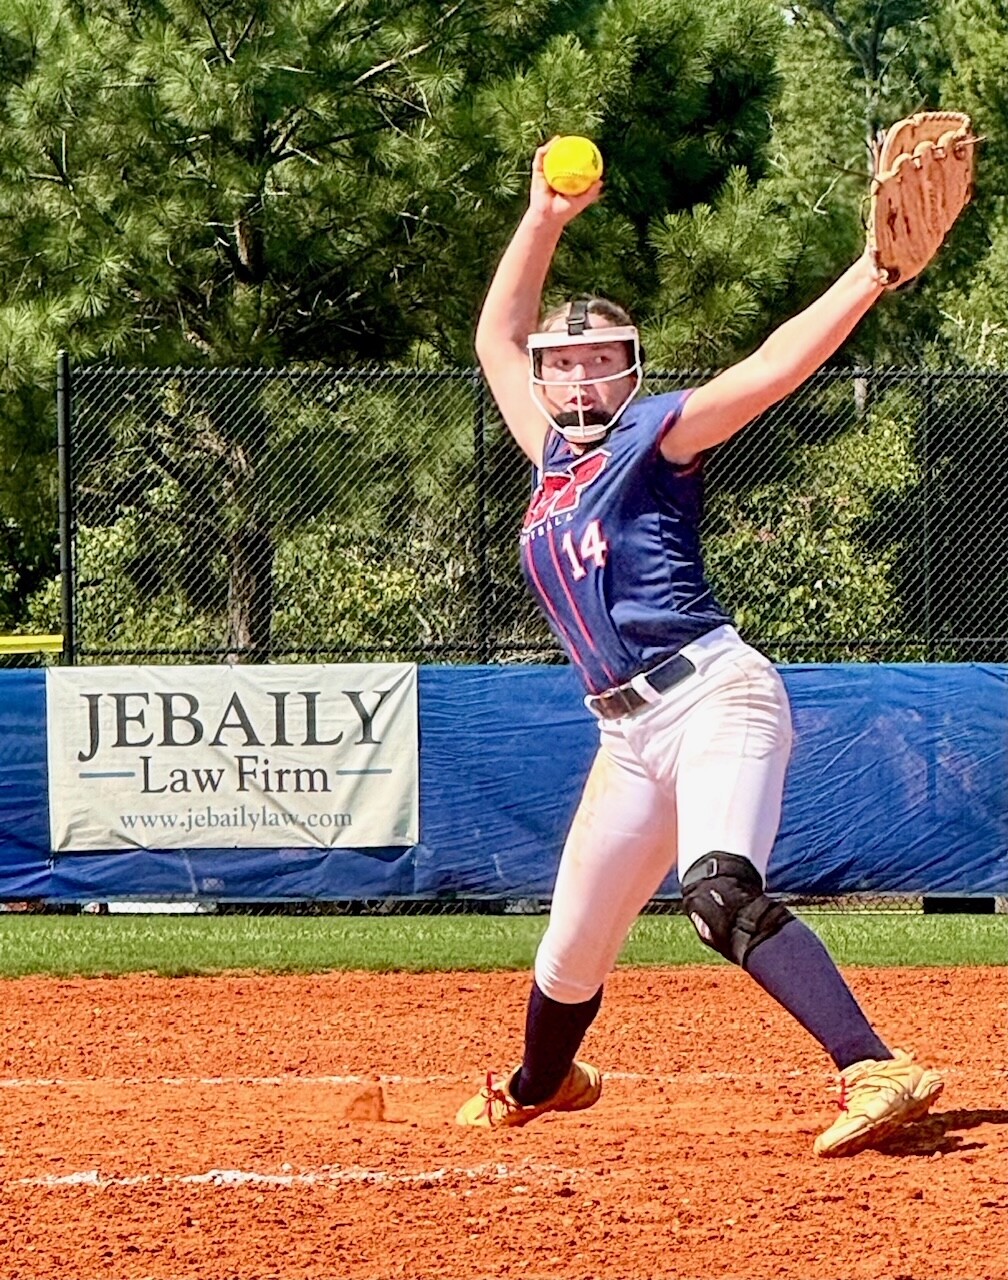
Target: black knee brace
723 895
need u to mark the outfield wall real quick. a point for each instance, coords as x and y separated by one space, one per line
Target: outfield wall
898 784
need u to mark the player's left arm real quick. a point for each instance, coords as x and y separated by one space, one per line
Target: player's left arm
793 352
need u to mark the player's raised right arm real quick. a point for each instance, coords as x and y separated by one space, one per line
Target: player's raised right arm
511 308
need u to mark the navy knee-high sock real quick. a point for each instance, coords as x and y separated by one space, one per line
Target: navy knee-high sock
553 1035
795 968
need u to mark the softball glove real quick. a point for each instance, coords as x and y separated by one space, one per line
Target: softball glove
923 180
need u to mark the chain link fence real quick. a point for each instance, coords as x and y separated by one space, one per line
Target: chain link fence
338 515
233 515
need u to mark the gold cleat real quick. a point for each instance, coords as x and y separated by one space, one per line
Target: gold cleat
877 1097
494 1107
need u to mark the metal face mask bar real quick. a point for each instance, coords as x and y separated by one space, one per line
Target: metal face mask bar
590 424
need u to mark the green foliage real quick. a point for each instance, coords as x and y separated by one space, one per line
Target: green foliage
120 611
850 69
723 268
821 160
796 556
975 326
332 585
891 48
975 303
211 184
267 183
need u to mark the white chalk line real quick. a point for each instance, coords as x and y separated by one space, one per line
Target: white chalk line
332 1176
370 1078
682 1079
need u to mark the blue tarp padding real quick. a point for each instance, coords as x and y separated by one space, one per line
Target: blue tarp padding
897 785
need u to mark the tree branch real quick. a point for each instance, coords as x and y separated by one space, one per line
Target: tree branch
243 37
213 34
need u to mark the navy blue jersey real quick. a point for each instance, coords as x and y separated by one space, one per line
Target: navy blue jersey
610 547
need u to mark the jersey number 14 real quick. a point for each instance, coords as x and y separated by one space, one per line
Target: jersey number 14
593 547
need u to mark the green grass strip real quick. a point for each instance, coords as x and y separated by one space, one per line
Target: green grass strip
82 945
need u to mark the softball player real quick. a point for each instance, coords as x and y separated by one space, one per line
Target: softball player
694 724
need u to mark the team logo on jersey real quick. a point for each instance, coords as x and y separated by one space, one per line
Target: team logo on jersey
559 492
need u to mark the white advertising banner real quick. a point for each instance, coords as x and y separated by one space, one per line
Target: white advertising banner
231 756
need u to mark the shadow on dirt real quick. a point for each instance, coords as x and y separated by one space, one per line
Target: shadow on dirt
939 1133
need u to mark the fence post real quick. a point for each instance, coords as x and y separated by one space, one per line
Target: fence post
65 464
926 422
483 644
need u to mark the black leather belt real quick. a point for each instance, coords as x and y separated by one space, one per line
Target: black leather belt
624 700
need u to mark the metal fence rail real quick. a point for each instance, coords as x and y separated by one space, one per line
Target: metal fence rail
372 514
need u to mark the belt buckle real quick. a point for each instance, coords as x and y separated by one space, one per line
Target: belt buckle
624 700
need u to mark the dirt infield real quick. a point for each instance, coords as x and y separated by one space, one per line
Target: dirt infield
245 1128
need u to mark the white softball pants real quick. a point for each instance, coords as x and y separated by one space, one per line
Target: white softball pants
700 769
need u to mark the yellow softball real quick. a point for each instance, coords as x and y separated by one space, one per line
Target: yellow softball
572 164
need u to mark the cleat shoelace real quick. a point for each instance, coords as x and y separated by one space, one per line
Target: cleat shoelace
495 1094
866 1084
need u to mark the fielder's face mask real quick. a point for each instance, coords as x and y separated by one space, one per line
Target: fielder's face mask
554 357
